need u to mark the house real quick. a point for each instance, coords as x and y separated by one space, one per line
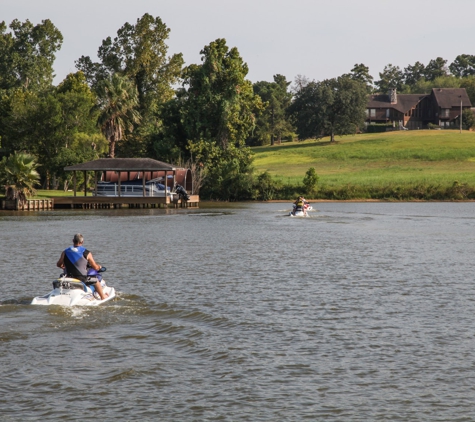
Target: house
448 104
442 107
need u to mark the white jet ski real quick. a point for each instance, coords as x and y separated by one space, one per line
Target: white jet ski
68 291
301 212
298 213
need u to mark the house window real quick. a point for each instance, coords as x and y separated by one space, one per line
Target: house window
372 112
444 113
388 112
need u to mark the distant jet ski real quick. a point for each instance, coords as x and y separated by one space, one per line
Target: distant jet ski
301 212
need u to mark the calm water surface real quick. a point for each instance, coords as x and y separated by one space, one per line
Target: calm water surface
363 312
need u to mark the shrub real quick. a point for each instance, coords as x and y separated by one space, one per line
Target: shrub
378 127
266 187
310 181
19 176
468 119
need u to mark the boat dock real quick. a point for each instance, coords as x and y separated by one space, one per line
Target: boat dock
121 182
28 205
99 202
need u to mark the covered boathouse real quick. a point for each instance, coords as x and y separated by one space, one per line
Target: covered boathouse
119 174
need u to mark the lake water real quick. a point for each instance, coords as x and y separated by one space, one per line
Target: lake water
236 312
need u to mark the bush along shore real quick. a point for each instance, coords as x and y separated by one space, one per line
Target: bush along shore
420 192
417 192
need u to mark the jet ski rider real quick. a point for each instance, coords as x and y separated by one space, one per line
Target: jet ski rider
75 260
299 203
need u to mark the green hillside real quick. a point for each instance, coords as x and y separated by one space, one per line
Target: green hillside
426 164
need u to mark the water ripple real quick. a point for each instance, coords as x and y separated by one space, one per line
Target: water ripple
364 313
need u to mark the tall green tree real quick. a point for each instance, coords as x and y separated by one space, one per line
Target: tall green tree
328 108
423 86
272 123
118 102
391 77
79 114
34 125
220 103
170 143
436 68
216 110
138 52
27 54
463 65
469 84
43 123
360 73
414 73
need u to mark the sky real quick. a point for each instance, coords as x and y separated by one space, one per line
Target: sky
318 39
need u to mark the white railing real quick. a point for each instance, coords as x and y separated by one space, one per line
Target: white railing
128 190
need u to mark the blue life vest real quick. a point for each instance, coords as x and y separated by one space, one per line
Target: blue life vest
75 261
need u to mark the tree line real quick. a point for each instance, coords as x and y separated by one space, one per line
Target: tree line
136 101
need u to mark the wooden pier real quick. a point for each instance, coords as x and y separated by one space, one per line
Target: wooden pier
28 205
99 202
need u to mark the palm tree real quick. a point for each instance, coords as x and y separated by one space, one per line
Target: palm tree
118 101
19 176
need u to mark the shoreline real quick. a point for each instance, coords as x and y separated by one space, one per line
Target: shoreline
364 200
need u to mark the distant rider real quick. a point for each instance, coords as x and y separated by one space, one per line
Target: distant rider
299 204
75 260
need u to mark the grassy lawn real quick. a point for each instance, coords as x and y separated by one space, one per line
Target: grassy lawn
375 161
45 194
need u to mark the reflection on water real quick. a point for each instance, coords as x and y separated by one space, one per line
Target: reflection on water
238 312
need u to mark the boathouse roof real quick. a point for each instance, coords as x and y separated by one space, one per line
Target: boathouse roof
122 164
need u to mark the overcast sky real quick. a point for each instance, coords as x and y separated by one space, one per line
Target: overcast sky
319 39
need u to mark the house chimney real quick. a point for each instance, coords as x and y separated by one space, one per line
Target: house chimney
392 95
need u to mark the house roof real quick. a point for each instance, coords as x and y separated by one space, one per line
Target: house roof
451 97
444 97
122 164
404 101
